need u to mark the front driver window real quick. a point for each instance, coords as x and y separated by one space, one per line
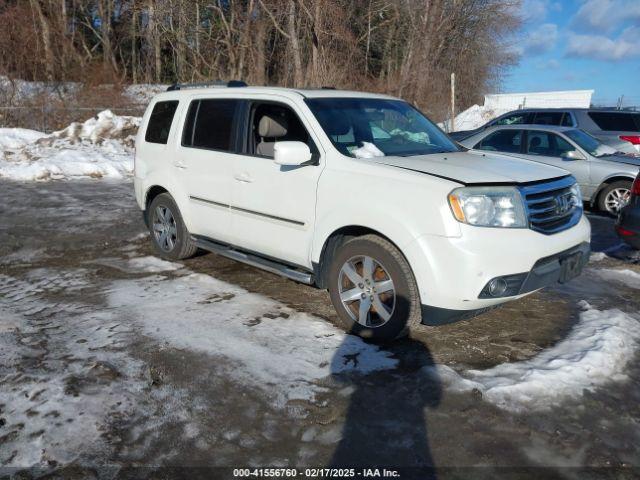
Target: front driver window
272 123
547 144
502 141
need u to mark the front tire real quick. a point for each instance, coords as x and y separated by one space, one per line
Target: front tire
373 289
615 196
169 235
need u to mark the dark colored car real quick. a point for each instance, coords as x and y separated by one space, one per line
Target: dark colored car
620 129
628 225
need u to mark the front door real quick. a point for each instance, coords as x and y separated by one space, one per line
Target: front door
274 206
547 147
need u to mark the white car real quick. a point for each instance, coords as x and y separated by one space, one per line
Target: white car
356 193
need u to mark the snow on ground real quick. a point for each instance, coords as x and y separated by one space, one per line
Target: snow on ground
625 276
100 147
66 374
139 264
261 342
18 90
595 352
144 92
597 256
288 353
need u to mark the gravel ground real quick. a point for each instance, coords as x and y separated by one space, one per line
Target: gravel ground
115 363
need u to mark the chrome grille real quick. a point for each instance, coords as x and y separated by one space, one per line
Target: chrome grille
550 205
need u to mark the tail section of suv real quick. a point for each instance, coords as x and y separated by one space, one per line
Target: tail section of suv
356 193
619 129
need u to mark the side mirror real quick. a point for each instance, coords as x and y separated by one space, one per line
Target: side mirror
291 153
572 155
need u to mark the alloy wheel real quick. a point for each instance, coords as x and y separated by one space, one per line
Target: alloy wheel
366 291
165 230
616 199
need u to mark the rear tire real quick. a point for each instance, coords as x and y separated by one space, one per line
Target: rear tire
373 289
614 196
169 235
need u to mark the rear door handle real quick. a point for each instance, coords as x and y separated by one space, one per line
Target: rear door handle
180 165
243 177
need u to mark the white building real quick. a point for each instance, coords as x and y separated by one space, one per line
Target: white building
497 104
514 101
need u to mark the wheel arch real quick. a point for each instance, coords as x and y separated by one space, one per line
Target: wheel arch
151 193
608 181
334 240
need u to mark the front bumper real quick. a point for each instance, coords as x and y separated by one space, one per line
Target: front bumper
451 272
545 272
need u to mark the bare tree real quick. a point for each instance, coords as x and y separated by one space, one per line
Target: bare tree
404 47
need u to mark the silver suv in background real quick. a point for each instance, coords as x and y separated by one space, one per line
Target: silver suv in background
619 129
604 175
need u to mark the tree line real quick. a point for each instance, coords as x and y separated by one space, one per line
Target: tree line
407 48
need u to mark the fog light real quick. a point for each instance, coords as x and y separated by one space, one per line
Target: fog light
497 287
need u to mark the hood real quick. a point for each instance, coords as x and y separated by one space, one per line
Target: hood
475 166
629 159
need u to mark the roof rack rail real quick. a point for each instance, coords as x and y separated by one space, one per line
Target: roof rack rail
327 87
217 83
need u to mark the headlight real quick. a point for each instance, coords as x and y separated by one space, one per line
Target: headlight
576 195
488 206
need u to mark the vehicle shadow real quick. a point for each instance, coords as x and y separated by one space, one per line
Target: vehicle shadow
385 424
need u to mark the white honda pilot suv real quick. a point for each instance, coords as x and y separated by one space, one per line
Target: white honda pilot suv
356 193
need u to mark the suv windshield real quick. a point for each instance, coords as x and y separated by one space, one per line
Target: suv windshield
369 127
586 142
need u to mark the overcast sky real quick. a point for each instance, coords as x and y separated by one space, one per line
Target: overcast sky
580 44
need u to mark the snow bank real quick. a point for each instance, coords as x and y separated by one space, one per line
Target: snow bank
15 138
594 353
101 147
476 116
104 126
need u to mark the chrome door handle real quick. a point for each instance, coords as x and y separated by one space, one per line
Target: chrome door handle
243 177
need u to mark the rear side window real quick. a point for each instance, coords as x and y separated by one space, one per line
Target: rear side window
616 121
160 122
210 124
548 118
502 141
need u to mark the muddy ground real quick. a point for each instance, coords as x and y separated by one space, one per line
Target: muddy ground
114 364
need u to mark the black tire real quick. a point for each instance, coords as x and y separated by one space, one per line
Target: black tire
389 262
179 246
602 198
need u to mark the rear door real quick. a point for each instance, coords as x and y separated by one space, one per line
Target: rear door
274 206
204 164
